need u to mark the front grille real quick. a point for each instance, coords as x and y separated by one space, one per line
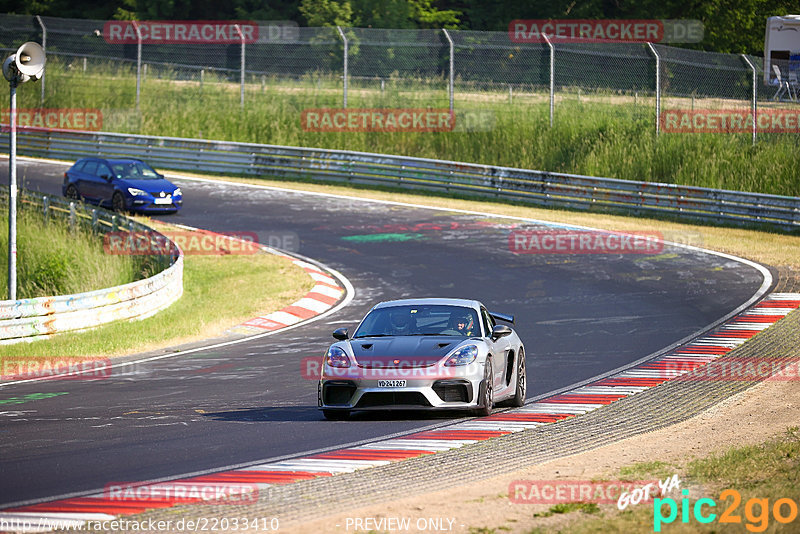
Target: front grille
393 398
338 392
453 390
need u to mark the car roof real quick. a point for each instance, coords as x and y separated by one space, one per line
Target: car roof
126 160
118 160
467 303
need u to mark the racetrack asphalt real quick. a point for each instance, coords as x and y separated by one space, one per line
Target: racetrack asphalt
578 315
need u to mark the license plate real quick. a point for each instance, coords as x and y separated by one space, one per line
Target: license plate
391 383
164 200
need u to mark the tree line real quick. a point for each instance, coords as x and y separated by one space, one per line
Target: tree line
732 26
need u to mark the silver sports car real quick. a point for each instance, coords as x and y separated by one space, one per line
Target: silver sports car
424 354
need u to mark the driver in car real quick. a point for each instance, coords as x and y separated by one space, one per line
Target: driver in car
463 324
401 322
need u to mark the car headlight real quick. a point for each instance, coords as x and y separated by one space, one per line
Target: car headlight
463 356
177 192
336 357
136 192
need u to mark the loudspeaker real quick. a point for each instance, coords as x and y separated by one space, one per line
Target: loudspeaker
30 59
27 63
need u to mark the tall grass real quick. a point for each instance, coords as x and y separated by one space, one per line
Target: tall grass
600 134
53 259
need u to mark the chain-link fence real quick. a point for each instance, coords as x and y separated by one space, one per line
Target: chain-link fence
364 67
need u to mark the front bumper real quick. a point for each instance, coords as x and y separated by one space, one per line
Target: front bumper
456 393
147 205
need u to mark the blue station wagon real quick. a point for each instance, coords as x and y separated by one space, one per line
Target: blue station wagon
122 185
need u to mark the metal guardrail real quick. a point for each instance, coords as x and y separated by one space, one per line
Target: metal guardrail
27 319
535 187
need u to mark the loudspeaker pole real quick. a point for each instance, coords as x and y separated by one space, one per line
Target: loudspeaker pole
27 64
12 195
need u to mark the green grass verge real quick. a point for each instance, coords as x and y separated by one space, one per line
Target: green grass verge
567 507
598 134
642 470
53 259
219 292
760 474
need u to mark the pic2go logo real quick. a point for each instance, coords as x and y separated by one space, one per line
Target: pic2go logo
756 511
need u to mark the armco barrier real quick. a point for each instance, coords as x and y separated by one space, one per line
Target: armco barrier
28 319
536 187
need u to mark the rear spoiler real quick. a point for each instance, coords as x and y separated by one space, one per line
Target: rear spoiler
502 317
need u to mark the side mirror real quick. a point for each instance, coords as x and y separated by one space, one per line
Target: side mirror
105 177
501 330
340 334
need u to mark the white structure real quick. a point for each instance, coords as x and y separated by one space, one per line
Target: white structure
781 48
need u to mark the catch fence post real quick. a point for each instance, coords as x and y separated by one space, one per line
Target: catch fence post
658 87
450 88
754 99
344 65
552 76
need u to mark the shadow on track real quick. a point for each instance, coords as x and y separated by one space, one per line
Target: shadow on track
311 413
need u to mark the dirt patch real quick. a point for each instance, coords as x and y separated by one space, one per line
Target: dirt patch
750 417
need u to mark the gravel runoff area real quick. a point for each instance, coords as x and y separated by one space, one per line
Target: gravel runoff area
579 444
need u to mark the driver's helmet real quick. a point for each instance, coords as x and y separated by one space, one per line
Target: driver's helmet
400 320
462 322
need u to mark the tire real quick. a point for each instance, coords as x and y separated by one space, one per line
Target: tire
72 192
118 202
519 395
336 415
486 392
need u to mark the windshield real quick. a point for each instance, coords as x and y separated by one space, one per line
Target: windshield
134 170
430 320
